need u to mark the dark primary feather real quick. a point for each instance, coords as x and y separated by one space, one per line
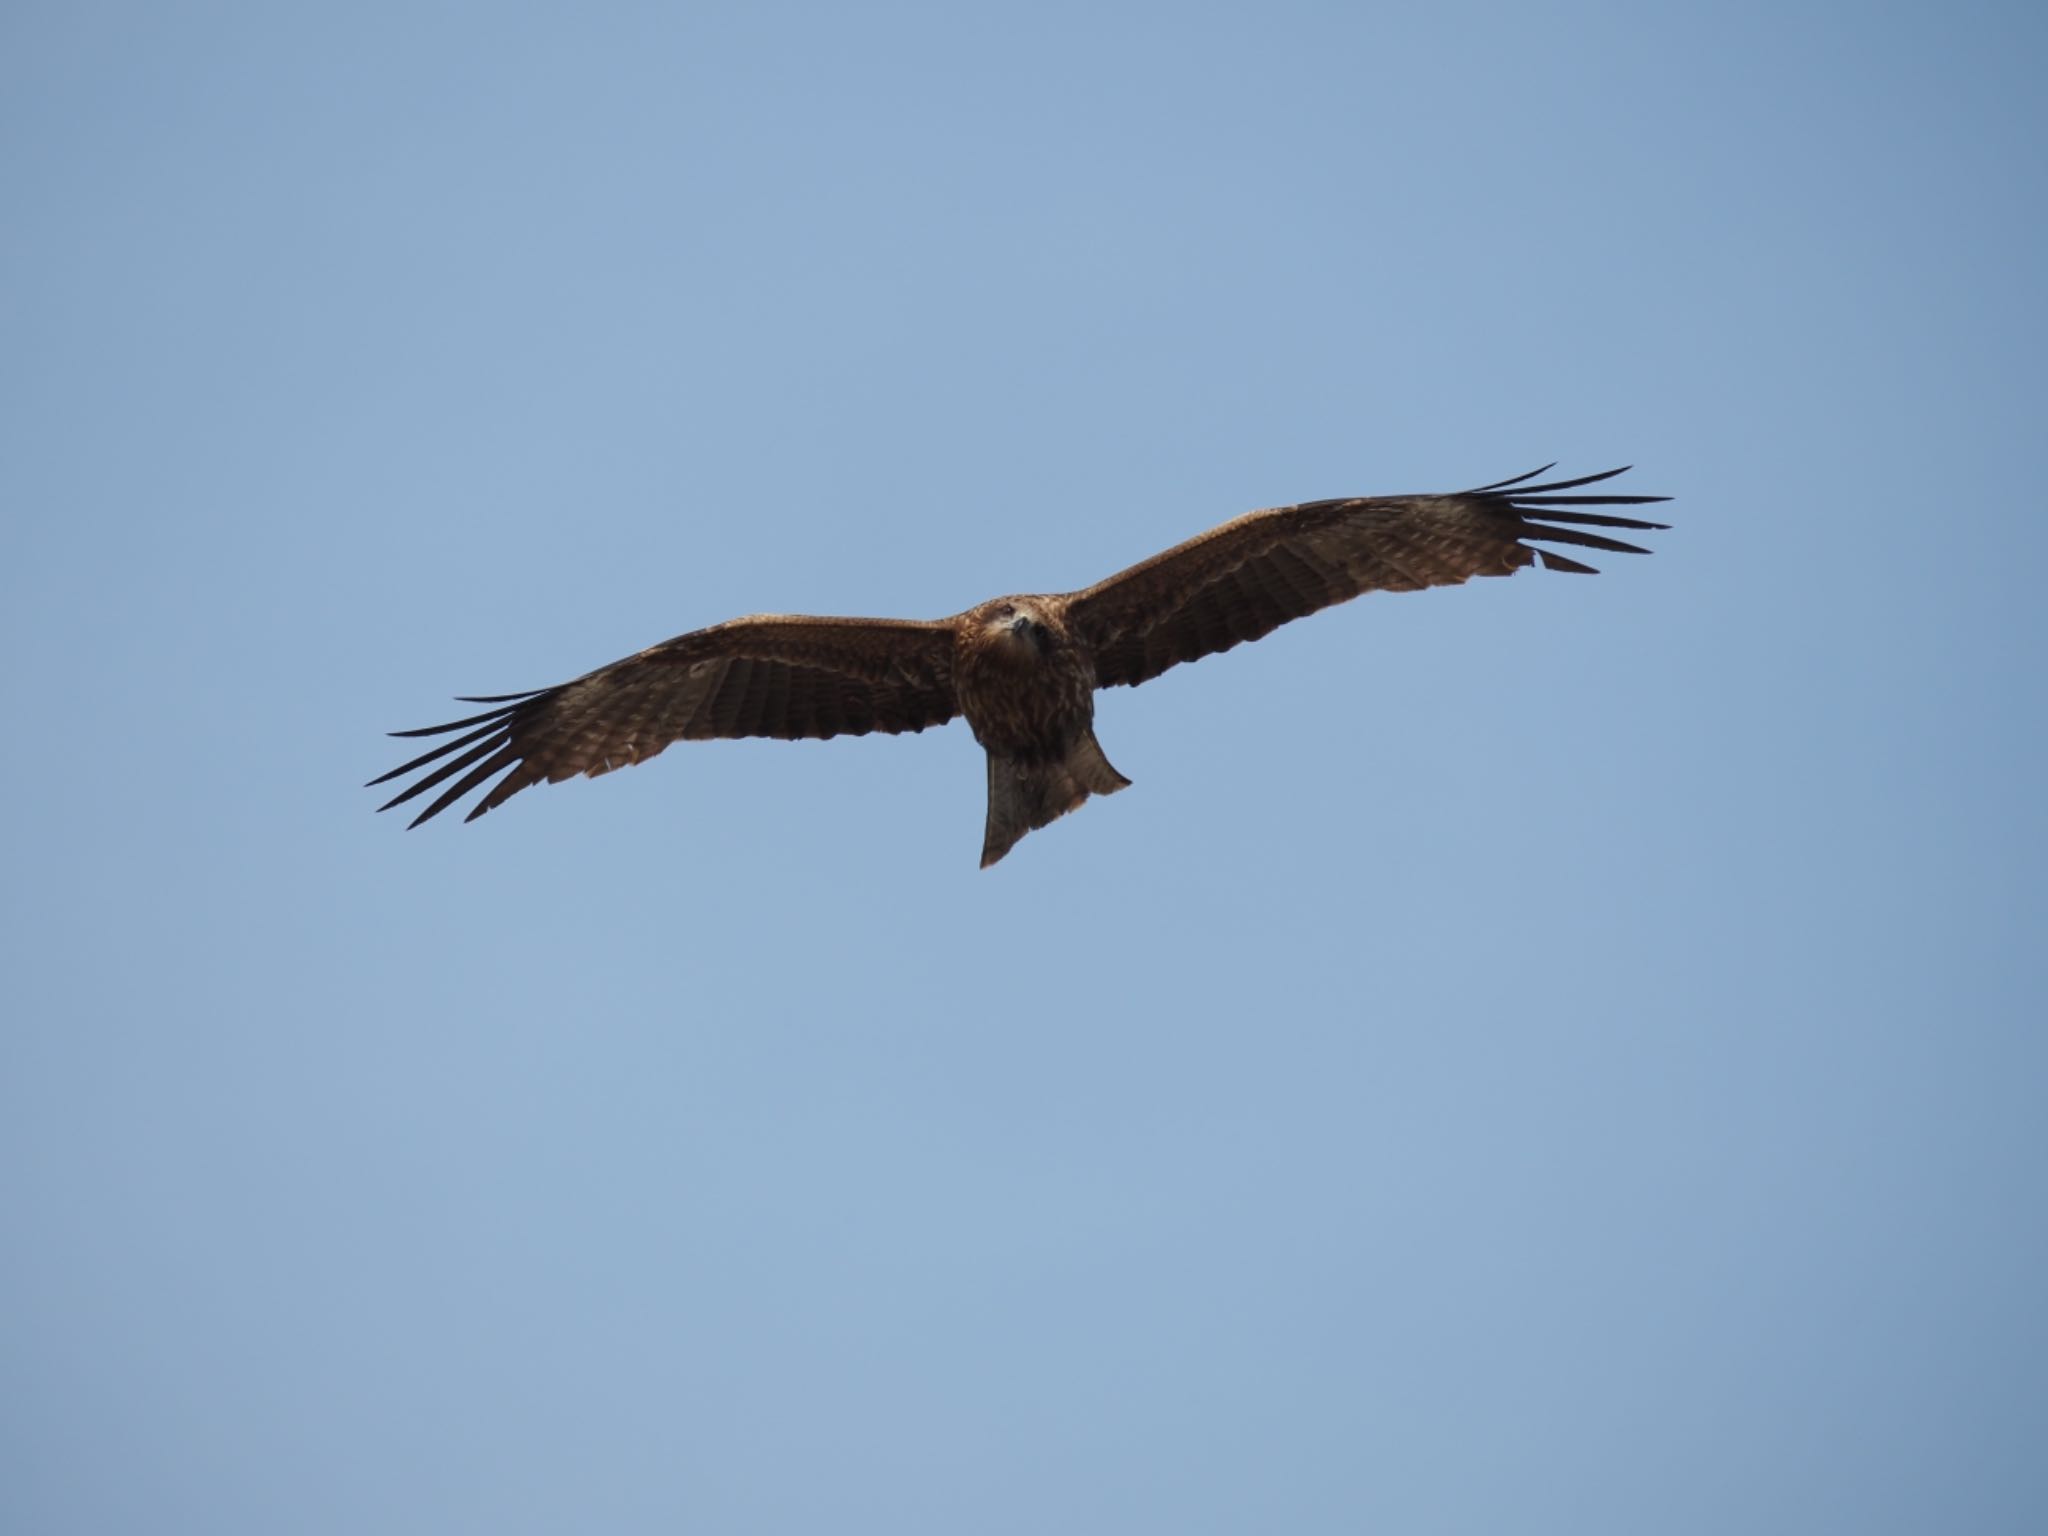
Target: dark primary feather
1247 577
783 675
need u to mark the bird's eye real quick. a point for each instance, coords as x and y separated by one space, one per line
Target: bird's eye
1006 611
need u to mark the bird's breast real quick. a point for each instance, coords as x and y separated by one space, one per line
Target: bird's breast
1026 705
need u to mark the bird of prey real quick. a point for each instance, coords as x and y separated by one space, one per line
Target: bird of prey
1023 670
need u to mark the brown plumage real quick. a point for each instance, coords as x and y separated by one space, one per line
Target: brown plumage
1023 670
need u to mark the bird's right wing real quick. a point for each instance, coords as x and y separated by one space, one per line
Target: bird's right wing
784 675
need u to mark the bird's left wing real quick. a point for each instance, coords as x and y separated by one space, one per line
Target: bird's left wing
1247 577
784 675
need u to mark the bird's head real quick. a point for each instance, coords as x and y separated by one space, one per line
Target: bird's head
1019 627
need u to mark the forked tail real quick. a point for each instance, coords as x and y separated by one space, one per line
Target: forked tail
1025 796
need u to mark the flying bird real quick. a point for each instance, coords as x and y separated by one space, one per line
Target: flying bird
1023 670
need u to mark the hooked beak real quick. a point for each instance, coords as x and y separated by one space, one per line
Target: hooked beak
1026 633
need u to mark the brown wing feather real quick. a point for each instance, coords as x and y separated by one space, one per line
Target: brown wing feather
783 675
1247 577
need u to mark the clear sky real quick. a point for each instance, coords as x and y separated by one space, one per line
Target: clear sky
1556 1055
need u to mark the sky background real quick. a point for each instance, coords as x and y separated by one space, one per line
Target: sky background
1557 1055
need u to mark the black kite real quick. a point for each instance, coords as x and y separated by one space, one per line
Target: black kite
1023 670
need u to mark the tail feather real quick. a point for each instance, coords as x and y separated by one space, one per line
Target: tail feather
1023 797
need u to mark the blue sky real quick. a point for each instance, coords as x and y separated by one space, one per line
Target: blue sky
1552 1055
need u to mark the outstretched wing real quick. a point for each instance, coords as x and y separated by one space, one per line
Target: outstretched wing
1251 575
783 675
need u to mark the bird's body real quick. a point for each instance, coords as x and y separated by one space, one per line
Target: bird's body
1026 683
1022 670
